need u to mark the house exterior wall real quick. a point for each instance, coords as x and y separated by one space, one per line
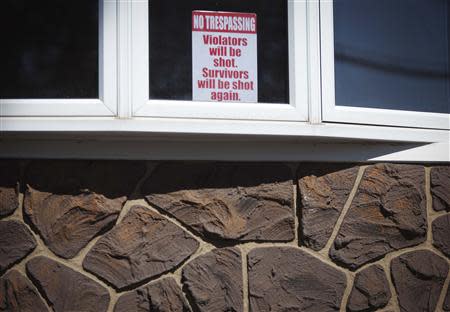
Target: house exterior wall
78 235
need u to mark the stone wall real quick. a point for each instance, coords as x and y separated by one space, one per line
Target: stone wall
202 236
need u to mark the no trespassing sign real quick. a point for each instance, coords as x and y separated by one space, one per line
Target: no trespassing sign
224 57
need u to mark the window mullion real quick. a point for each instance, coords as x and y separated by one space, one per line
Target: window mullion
124 59
314 74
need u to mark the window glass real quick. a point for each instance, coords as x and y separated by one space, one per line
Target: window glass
170 30
392 54
49 49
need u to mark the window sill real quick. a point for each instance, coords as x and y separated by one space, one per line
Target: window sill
174 126
189 139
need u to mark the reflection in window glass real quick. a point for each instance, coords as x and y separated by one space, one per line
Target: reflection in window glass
49 49
392 54
171 46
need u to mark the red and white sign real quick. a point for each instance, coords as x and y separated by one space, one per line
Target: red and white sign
224 57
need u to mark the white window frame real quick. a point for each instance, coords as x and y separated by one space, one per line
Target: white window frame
124 123
106 104
296 110
357 115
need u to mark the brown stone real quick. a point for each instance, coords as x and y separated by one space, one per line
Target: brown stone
388 213
143 246
68 223
162 296
214 281
71 202
16 242
370 290
441 234
66 289
289 279
323 196
246 202
113 179
17 294
446 305
440 188
418 278
9 187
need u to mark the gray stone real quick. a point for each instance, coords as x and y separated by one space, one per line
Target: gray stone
440 187
226 202
16 242
388 213
289 279
17 294
418 277
66 289
143 246
441 234
370 290
214 281
322 199
162 296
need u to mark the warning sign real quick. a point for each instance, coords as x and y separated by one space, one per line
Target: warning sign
224 57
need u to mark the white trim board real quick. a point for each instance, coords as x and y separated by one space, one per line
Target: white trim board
179 126
224 150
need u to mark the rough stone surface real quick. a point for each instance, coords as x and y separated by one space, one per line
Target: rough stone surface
441 234
71 202
16 242
418 277
66 289
154 263
440 188
162 296
446 304
388 213
17 294
9 186
246 202
322 199
370 290
214 281
69 223
289 279
113 179
144 245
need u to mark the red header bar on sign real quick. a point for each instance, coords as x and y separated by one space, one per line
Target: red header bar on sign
231 22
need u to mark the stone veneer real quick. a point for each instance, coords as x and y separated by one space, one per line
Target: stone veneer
226 237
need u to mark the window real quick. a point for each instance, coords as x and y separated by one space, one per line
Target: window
162 61
40 60
171 46
391 62
372 70
53 55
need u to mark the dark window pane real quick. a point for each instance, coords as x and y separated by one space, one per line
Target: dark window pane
171 46
49 49
392 54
